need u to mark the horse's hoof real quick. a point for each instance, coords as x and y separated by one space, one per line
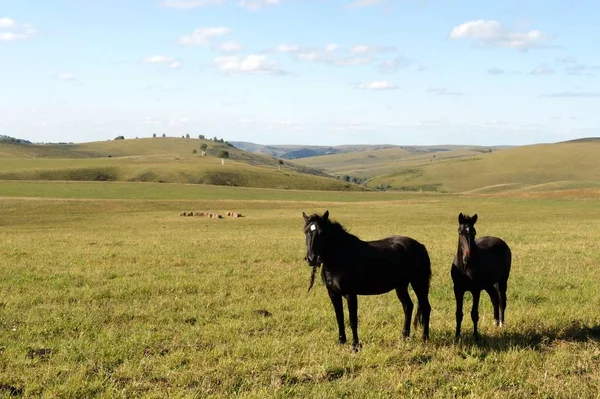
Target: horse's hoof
356 346
497 323
476 337
405 334
341 340
501 324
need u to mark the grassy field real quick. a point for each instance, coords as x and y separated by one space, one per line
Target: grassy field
169 160
105 291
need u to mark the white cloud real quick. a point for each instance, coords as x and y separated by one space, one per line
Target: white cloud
161 59
442 91
229 47
377 85
65 76
580 94
7 23
287 48
543 69
496 71
254 5
251 64
203 36
187 4
490 33
364 49
15 31
393 65
581 70
329 55
359 49
332 47
363 3
352 61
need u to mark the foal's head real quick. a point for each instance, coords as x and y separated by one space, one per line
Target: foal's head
314 229
466 236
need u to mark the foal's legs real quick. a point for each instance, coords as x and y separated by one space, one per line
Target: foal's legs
353 312
494 296
475 312
407 305
502 294
459 295
338 306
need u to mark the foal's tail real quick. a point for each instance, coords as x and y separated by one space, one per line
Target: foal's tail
421 283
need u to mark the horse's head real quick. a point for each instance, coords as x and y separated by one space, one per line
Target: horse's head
314 229
466 236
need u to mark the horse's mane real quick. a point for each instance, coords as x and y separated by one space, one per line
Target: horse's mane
333 227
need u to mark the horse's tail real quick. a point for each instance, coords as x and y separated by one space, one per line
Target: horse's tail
422 282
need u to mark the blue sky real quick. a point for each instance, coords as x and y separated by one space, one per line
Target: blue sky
301 71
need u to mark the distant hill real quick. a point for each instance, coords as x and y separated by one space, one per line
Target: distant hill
158 160
308 151
582 140
284 152
558 165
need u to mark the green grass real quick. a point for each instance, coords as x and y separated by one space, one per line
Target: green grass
105 291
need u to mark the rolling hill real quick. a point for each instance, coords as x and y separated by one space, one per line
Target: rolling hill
535 167
158 160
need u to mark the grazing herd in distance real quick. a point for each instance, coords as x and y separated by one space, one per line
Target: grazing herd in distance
352 267
211 215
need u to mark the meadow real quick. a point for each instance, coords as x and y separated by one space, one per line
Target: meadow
105 291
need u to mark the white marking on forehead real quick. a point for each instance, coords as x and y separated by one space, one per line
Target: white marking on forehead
313 227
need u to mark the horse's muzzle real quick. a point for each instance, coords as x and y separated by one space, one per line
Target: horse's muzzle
313 262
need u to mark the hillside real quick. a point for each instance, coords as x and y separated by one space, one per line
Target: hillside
566 164
371 163
295 152
157 160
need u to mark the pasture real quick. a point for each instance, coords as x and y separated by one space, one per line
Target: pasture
105 291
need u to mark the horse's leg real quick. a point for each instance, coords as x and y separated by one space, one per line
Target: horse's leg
475 312
407 305
459 295
422 293
493 293
353 313
338 306
502 294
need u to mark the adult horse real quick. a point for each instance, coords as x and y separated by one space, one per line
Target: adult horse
353 267
482 264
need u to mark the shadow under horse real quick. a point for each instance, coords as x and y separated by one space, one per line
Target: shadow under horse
353 267
482 264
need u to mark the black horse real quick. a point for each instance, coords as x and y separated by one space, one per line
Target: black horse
482 264
353 267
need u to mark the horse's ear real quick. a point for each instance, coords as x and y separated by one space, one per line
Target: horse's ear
461 218
326 215
305 217
474 218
